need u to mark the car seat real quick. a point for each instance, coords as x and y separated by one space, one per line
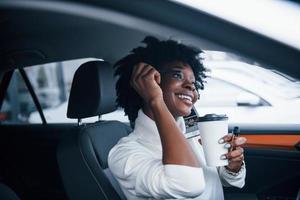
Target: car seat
7 193
82 153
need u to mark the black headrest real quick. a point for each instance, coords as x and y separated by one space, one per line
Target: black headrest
93 90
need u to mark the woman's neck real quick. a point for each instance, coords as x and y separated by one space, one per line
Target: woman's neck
147 111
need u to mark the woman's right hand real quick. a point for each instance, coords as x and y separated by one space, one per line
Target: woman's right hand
145 79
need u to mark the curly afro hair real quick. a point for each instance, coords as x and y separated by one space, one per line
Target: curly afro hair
156 53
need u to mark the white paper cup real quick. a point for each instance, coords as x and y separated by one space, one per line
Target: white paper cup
212 128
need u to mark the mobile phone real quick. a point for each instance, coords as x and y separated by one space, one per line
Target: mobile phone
191 124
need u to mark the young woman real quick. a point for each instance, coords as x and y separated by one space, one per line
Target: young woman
157 86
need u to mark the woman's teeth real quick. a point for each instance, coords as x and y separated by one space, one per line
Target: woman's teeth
182 96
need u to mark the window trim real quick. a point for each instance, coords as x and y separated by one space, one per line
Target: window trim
33 95
4 85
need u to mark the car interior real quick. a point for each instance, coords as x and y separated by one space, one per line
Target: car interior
84 150
69 160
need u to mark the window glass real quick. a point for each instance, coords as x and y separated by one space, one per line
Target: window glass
18 104
244 91
52 83
247 92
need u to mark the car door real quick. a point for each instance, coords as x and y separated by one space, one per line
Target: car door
272 153
28 149
272 157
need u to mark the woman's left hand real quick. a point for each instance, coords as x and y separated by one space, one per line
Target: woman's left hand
235 155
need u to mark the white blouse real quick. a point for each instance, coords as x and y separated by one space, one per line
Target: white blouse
136 163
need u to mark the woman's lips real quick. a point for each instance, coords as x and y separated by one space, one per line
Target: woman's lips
185 97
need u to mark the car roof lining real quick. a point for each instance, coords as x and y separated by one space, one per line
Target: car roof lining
53 34
48 30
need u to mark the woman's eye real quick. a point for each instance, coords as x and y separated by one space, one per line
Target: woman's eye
178 75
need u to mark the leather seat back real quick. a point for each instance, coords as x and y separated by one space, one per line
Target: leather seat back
82 154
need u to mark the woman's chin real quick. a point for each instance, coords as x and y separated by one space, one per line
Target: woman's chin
181 111
184 113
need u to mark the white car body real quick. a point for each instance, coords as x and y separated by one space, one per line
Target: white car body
261 96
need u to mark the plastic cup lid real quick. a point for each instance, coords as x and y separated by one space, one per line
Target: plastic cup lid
212 117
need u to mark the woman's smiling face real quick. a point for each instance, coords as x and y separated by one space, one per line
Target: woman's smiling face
179 88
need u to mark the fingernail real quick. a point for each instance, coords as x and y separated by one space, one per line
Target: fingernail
227 145
223 157
241 140
221 141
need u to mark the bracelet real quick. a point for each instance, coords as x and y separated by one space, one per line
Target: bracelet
235 173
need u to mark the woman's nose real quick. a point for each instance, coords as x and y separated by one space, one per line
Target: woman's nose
190 85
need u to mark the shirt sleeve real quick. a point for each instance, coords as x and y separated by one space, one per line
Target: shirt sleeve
141 174
232 179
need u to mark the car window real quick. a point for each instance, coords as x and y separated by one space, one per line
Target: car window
51 83
245 92
18 103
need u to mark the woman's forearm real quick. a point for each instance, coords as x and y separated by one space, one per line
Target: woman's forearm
176 149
